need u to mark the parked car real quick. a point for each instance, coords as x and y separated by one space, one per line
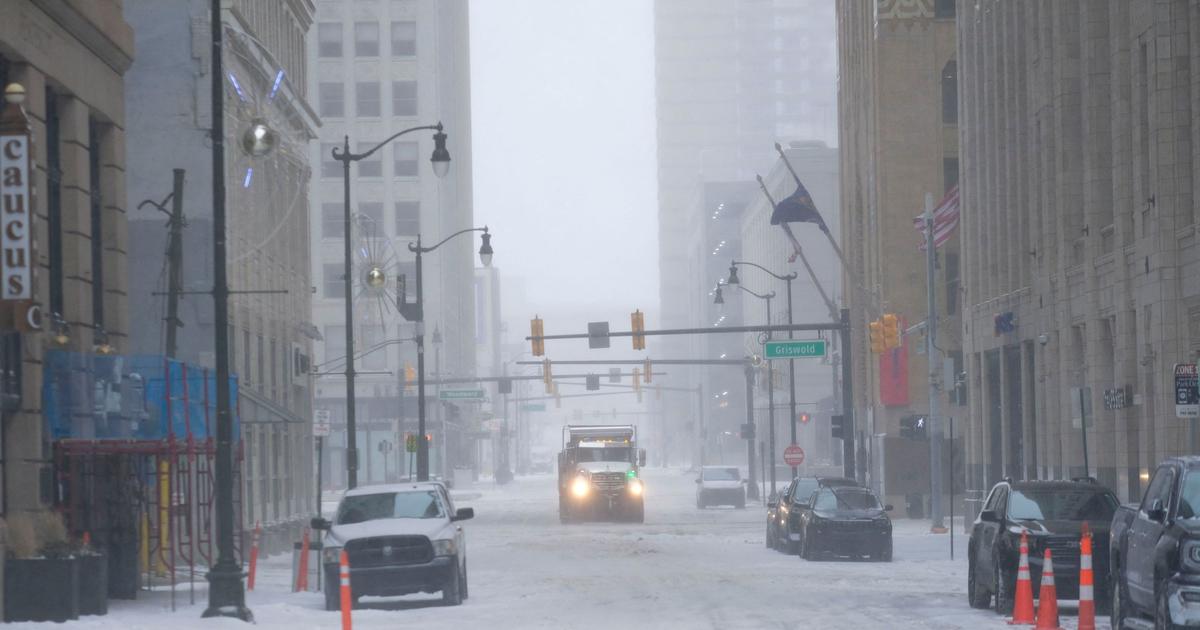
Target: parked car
400 539
1155 550
1051 514
720 485
783 513
845 521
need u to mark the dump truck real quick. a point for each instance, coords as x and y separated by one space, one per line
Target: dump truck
599 474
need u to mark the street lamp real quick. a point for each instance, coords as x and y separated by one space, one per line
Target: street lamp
416 313
719 300
733 279
770 374
375 276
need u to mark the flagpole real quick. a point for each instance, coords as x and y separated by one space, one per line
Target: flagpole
824 226
932 354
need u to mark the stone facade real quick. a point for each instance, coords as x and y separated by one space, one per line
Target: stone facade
1081 139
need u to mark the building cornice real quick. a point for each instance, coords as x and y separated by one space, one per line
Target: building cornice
111 42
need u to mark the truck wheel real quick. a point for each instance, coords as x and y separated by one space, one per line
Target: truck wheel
1117 614
452 591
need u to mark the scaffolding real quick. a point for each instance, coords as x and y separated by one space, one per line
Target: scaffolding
134 459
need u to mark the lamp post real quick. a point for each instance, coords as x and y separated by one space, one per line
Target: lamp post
416 313
733 279
441 165
767 297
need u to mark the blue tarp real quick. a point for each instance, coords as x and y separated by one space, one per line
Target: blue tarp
140 397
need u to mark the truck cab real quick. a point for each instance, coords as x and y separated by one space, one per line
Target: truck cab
599 474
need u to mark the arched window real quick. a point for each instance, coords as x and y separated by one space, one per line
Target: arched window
950 93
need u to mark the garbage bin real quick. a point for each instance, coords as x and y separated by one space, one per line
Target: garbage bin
314 565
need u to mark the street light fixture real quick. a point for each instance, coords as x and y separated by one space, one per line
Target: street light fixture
259 139
375 277
719 300
416 313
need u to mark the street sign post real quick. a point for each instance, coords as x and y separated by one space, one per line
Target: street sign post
1187 391
461 394
794 349
793 455
322 425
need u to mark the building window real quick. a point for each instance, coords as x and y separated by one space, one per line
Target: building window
405 159
329 40
334 281
329 166
404 39
408 218
950 172
96 205
367 95
371 219
332 98
54 200
366 39
372 166
943 8
950 93
333 220
404 98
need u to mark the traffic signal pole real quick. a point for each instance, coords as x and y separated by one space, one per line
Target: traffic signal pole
932 354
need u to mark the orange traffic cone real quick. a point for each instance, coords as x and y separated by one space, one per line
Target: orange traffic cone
347 599
1087 580
1023 605
1047 617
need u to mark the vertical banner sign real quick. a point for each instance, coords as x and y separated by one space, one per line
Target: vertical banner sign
1187 391
16 207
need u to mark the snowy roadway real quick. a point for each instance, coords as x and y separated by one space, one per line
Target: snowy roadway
684 568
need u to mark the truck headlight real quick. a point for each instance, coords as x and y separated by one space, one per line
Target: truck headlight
1189 555
580 487
330 555
445 547
635 487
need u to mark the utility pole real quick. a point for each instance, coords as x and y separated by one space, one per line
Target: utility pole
752 487
174 263
932 354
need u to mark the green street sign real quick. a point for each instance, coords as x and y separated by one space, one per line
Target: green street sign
533 407
410 443
795 349
461 394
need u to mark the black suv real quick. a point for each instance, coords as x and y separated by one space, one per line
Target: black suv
783 512
1052 514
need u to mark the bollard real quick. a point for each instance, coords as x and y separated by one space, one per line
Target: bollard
302 579
253 557
347 599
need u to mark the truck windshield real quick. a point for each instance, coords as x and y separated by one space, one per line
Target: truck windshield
1056 504
1189 498
721 474
603 454
370 507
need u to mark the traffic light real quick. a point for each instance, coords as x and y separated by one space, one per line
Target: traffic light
410 375
637 383
504 386
536 329
891 331
914 427
877 343
837 426
804 418
646 370
637 322
547 377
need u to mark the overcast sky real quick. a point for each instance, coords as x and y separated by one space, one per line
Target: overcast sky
563 126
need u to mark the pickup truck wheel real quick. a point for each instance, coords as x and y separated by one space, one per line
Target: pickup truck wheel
1117 614
452 591
1162 611
1004 595
977 596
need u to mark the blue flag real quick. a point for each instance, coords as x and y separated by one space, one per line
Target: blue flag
798 208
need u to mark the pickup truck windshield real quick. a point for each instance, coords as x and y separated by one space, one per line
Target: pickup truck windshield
603 454
370 507
1189 498
1060 505
721 474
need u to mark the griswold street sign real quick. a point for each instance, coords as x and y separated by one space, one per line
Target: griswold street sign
794 349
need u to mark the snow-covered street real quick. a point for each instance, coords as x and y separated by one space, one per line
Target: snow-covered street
684 568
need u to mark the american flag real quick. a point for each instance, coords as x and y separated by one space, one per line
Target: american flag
945 219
